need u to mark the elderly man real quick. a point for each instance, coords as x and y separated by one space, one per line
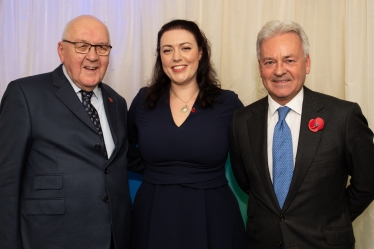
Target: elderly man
293 151
63 169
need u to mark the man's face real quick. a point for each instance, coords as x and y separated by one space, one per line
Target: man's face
85 70
283 66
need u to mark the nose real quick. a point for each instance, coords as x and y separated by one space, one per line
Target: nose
92 55
177 56
279 69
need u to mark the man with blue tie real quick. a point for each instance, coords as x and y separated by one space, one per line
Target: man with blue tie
63 166
292 153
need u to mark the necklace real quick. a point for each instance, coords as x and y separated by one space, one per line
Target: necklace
184 108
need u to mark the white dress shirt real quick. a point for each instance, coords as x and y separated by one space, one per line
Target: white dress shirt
293 120
97 102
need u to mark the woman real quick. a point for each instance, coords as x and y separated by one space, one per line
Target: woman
180 125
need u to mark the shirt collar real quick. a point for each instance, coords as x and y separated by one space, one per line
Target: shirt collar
296 104
75 87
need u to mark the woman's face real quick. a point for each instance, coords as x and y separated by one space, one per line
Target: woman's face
180 56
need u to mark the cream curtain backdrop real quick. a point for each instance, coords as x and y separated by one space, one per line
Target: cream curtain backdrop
341 37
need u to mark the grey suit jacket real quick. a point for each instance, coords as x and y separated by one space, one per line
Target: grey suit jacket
57 189
319 209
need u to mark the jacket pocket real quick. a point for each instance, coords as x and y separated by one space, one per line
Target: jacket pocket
48 206
336 237
48 181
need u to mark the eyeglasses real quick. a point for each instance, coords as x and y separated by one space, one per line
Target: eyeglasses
84 48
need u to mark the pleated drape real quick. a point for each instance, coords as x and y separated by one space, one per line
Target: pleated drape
341 37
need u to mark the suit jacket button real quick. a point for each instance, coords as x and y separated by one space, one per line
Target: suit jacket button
106 199
282 218
106 171
98 146
280 244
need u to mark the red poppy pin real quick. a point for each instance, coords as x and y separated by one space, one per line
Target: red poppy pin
111 100
316 124
193 109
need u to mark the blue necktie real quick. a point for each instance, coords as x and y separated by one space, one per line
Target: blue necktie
282 156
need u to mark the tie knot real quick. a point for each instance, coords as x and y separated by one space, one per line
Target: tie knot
86 95
282 112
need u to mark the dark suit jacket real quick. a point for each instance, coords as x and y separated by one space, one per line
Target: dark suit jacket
319 209
57 189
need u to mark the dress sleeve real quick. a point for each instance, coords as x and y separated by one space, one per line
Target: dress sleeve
135 161
237 103
233 100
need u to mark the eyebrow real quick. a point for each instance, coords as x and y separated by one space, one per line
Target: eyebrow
100 43
180 44
283 57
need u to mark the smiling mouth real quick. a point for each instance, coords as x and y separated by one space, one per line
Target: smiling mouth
178 67
91 68
281 81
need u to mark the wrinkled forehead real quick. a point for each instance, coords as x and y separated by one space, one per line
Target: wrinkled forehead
289 40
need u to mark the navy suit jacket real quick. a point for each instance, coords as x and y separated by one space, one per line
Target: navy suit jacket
57 189
319 209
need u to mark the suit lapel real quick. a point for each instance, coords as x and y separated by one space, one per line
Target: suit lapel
110 110
308 142
257 129
67 95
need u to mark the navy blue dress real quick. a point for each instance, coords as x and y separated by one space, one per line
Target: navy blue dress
184 201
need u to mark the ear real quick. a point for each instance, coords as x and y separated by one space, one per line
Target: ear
307 64
200 54
61 51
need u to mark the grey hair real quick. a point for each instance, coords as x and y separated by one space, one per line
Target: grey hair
276 27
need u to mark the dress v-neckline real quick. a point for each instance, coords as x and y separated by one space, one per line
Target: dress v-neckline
188 115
